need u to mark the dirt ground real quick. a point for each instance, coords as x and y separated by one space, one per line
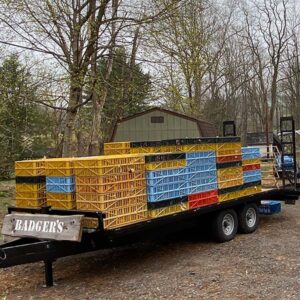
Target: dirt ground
262 265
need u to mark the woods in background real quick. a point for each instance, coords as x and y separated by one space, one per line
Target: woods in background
71 69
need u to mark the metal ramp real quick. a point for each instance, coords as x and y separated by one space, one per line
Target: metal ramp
288 143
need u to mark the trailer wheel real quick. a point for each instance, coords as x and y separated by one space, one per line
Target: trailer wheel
248 218
225 225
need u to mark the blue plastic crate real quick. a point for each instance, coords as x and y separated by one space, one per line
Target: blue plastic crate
252 173
165 173
202 181
60 184
200 168
251 156
166 187
201 162
166 180
250 153
269 207
252 176
250 150
167 195
203 154
202 188
202 174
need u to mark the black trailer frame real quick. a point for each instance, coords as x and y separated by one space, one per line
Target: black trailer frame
29 250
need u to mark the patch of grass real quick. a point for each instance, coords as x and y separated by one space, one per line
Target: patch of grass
3 193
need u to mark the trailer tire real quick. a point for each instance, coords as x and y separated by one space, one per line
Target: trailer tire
225 225
248 218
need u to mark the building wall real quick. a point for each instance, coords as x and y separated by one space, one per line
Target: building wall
141 128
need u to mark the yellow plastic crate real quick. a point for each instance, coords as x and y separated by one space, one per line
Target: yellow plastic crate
125 210
39 202
112 204
169 164
171 148
111 187
230 183
111 170
230 173
61 200
30 195
198 147
239 194
30 167
246 162
229 152
228 146
108 179
61 196
30 187
61 204
117 148
160 212
103 202
116 222
59 167
116 151
116 145
141 150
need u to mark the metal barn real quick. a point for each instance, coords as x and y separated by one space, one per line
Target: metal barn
160 124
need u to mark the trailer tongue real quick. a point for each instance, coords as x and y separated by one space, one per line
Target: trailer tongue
34 247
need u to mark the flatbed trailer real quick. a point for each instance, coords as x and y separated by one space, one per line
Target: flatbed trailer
29 250
226 218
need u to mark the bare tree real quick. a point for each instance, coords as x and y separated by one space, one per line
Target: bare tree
76 34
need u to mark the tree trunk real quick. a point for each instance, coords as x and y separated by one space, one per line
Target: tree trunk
69 140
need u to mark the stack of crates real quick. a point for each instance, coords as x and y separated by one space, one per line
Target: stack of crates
201 178
166 184
159 179
60 183
117 148
229 167
252 167
30 183
131 147
114 185
178 181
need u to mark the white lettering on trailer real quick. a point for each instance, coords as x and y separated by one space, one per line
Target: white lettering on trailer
31 225
43 226
18 224
60 226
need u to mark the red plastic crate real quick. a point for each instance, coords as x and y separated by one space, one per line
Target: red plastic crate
230 158
203 199
251 167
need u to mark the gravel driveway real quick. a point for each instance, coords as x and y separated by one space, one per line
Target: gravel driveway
262 265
